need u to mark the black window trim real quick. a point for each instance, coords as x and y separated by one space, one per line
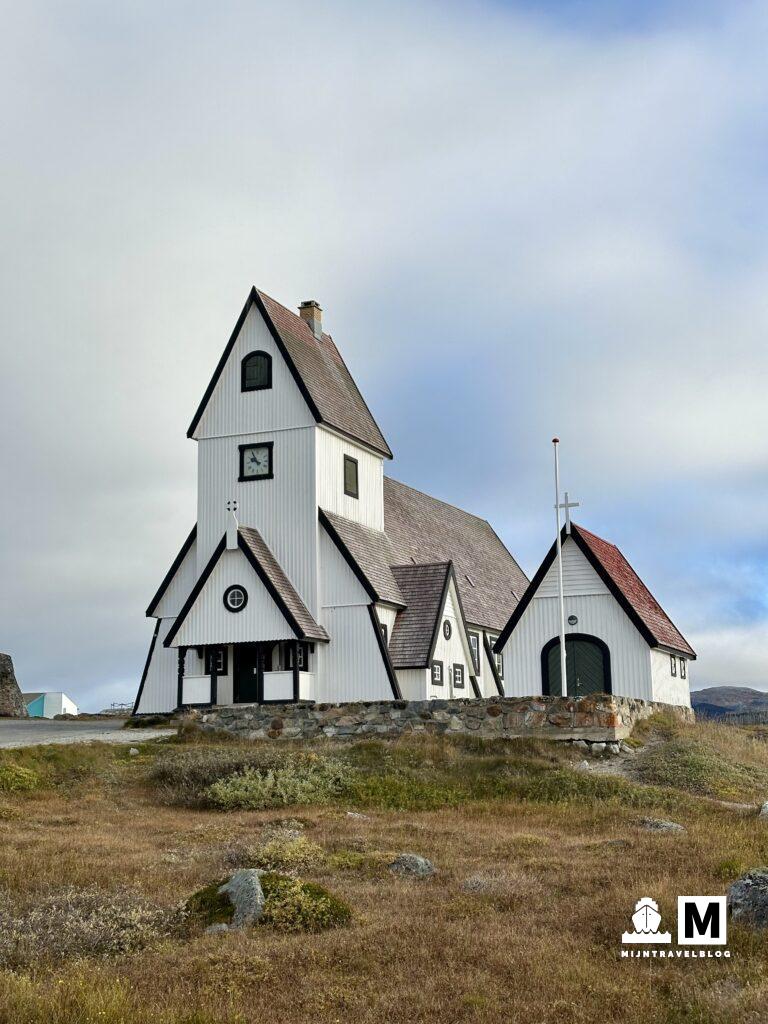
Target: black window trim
498 658
673 664
475 653
243 448
356 492
256 387
384 633
458 667
432 673
211 652
683 669
447 629
228 591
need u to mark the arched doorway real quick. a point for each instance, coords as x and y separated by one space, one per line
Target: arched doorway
587 666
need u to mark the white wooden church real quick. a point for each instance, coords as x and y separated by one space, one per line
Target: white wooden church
310 575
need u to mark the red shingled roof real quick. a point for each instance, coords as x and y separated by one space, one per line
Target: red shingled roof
646 607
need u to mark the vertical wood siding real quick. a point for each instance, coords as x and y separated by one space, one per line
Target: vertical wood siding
578 575
368 509
283 509
413 683
350 667
178 589
667 688
598 615
453 651
232 411
159 693
338 584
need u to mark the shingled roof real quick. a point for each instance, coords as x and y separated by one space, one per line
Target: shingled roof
318 369
650 619
424 530
423 588
271 574
369 554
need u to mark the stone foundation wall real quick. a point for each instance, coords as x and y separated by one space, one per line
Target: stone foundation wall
597 719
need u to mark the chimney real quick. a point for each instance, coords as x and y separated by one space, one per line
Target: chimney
312 315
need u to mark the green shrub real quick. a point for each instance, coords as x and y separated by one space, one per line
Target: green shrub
399 791
302 779
288 853
73 923
208 906
16 779
730 868
294 906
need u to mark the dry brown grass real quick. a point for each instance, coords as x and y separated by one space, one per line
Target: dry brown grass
538 944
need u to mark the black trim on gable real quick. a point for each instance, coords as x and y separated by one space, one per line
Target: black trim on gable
172 571
475 687
390 669
492 663
146 667
254 299
195 591
441 605
347 555
271 589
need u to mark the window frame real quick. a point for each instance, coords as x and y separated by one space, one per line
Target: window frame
243 448
683 668
458 671
348 459
256 387
498 659
222 655
673 665
384 633
474 651
441 681
228 591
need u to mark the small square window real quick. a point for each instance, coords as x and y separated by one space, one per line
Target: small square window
673 665
458 677
216 658
437 673
350 477
683 668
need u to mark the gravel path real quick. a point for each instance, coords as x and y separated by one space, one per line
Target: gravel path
31 732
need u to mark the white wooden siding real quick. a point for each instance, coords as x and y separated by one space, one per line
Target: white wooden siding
413 683
283 510
486 680
599 615
160 686
387 616
453 651
668 688
178 589
209 622
368 509
578 575
232 411
350 667
338 584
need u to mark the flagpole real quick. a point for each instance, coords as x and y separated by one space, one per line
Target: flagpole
563 677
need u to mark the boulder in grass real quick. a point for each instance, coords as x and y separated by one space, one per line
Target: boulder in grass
763 815
661 825
748 899
411 865
235 903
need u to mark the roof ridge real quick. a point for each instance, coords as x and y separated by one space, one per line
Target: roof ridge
421 565
290 312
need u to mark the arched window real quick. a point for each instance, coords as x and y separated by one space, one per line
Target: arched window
256 372
587 666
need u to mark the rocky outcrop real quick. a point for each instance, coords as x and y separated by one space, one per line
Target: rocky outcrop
748 899
11 702
411 865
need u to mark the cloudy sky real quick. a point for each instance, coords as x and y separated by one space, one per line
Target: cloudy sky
520 218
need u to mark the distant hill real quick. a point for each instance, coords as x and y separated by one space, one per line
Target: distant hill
716 701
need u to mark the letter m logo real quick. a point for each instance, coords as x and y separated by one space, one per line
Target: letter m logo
701 920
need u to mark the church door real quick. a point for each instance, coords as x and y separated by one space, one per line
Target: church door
587 666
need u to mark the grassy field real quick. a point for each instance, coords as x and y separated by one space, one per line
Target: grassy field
538 868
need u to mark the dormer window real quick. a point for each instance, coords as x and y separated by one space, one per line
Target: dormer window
256 372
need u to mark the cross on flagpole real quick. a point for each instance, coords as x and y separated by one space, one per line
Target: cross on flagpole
567 505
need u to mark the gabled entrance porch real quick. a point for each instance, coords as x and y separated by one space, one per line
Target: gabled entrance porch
261 672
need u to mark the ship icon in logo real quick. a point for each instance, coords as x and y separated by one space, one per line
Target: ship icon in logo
647 921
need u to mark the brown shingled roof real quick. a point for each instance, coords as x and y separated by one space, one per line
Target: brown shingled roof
369 553
318 369
423 588
650 619
271 573
664 632
424 530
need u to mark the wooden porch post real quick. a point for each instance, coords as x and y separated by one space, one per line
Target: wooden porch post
214 656
295 670
180 676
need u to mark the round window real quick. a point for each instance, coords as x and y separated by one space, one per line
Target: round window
235 598
447 630
572 620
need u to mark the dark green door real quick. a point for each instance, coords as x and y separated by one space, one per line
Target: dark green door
247 673
586 666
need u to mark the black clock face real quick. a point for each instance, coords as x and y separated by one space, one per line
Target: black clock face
447 630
